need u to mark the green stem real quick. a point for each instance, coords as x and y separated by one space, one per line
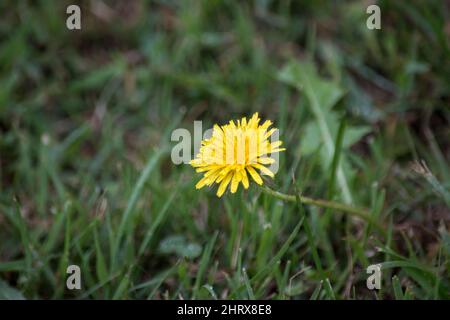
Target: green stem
358 212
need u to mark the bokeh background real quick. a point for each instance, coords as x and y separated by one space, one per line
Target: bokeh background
86 176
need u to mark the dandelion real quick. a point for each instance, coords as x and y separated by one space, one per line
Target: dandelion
241 150
235 152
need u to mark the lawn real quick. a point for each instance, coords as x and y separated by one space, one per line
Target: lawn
87 175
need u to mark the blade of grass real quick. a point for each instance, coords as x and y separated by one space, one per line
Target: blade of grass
159 218
248 286
263 272
309 235
204 264
329 289
138 188
398 292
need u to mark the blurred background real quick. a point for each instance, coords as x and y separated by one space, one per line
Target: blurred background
85 171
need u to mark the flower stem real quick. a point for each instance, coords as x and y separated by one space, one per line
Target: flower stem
362 213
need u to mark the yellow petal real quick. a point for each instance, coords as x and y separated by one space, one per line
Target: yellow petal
235 181
207 168
212 171
253 123
223 173
224 184
276 144
212 178
266 160
201 183
263 169
254 175
266 124
244 179
277 150
269 133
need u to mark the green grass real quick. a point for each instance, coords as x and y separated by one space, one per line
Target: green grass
85 171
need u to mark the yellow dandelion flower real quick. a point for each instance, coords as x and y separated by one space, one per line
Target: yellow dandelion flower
235 151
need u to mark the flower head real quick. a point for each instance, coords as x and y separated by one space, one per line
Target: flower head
234 152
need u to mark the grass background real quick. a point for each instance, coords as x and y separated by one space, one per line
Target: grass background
85 170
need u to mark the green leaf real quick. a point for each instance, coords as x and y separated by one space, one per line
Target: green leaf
312 139
304 77
354 134
322 95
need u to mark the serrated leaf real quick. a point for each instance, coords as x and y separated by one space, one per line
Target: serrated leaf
311 139
322 95
304 77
